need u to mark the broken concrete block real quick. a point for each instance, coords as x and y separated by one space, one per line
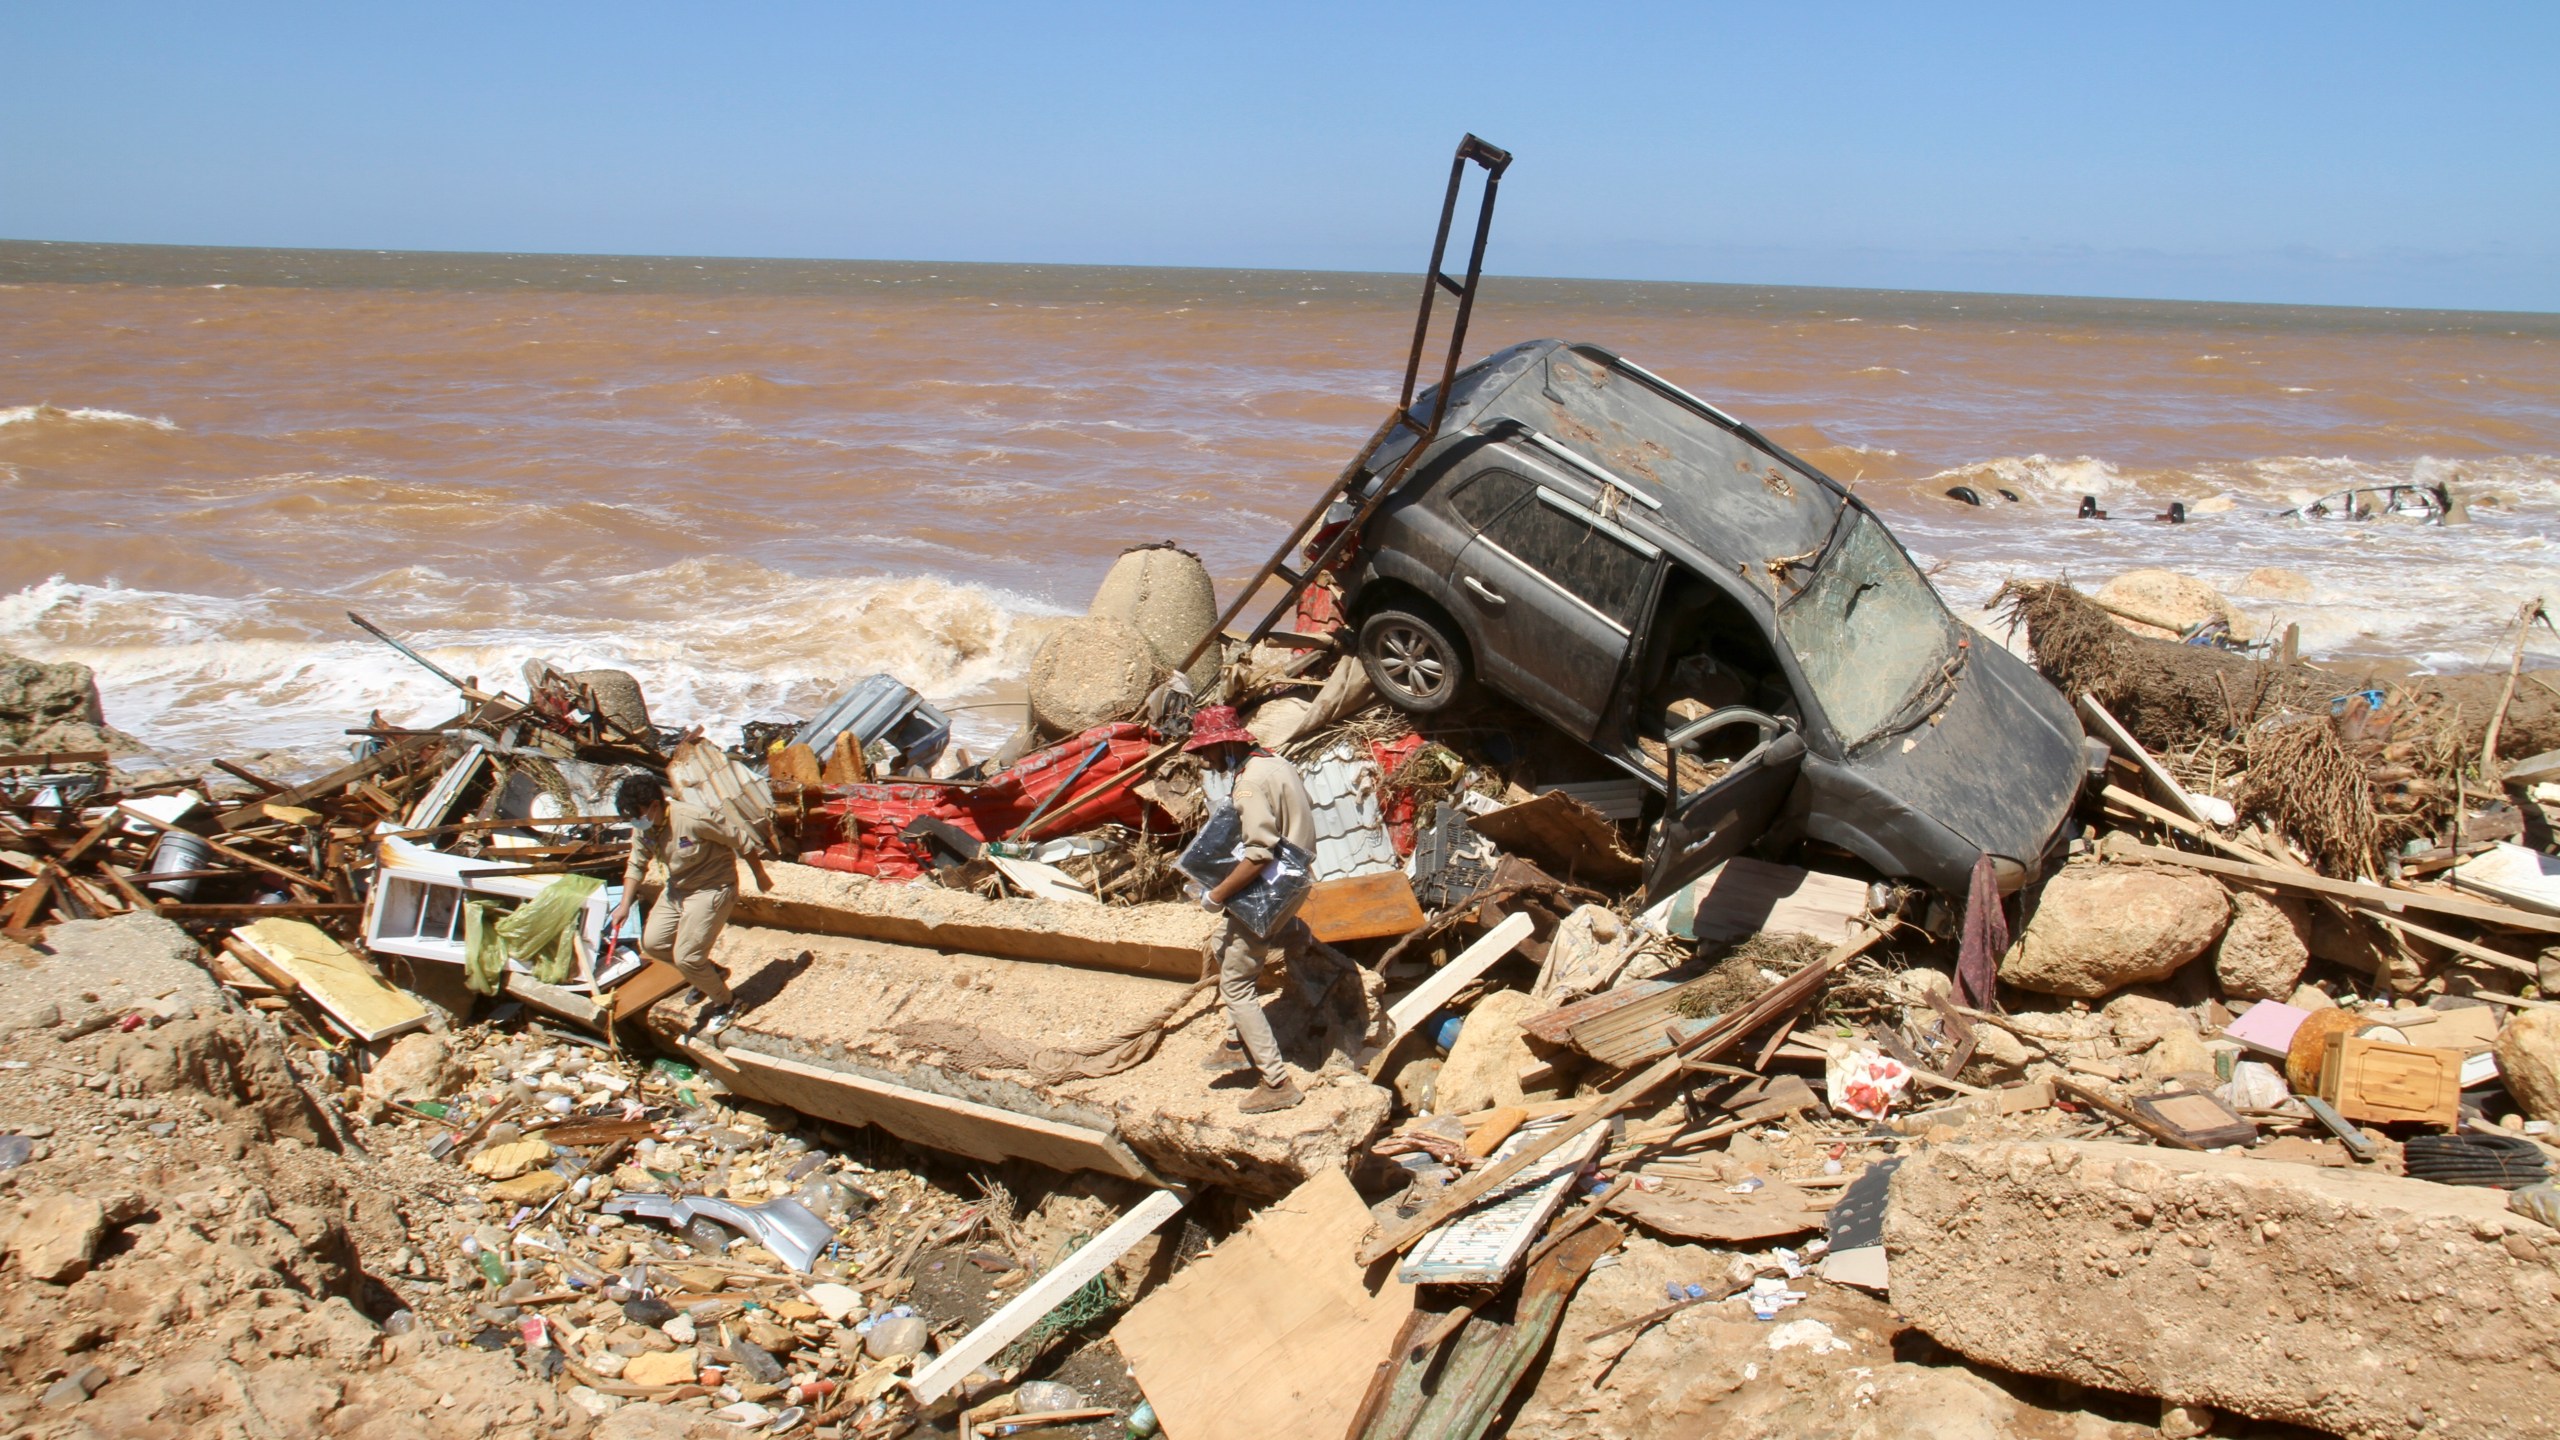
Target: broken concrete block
2529 1061
1483 1068
59 1238
2261 955
672 1367
2099 928
418 1066
530 1188
2361 1305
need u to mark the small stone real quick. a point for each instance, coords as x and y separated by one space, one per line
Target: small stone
529 1189
896 1335
681 1330
673 1367
506 1162
75 1387
608 1363
647 1310
835 1301
756 1361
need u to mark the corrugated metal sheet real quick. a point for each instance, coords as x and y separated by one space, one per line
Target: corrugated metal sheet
1351 837
1342 789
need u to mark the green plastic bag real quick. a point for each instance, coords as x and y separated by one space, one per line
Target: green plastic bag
542 932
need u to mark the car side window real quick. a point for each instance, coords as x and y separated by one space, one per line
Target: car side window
1481 497
1608 574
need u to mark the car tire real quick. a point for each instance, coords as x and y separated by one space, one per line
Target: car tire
1414 659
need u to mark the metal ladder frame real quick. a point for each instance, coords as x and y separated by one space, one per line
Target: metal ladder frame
1494 161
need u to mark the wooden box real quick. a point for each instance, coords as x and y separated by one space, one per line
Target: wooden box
2377 1082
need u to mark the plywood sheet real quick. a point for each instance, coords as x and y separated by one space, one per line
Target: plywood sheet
1361 907
1480 1246
336 979
1745 897
1275 1332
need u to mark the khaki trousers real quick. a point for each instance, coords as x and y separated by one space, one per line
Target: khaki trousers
681 929
1240 959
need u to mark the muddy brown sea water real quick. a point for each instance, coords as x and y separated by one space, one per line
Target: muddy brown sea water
751 481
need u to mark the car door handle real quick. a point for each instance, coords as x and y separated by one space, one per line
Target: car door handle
1487 596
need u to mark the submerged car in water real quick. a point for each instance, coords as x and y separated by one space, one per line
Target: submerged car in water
1713 615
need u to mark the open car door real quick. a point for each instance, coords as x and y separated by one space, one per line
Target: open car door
1702 830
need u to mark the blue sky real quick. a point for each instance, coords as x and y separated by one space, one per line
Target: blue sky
2348 154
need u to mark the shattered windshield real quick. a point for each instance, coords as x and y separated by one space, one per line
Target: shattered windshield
1876 643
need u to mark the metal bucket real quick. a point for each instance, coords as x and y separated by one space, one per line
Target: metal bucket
176 853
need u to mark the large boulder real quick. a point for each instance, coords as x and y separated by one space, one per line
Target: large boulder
2529 1061
1164 592
2262 954
54 707
1091 671
2165 604
2099 928
2357 1304
1483 1070
418 1066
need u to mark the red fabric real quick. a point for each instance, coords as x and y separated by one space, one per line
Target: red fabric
988 812
1396 805
1320 611
1984 940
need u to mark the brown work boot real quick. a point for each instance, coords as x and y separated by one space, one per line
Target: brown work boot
1225 1059
1267 1098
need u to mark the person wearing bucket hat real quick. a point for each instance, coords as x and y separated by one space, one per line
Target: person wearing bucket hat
1271 801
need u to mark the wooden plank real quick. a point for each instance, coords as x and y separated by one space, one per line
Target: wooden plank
336 780
942 1122
569 1005
1633 1034
2399 925
298 910
1044 1295
1361 907
1275 1332
1780 999
1480 1246
2154 774
1471 962
1552 1027
656 981
1041 881
52 759
2383 896
336 980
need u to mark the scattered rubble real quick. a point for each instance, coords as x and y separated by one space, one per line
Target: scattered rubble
305 1130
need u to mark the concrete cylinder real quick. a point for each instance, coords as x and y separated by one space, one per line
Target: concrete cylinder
1091 671
1165 593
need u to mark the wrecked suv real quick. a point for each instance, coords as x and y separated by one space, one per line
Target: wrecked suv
1711 614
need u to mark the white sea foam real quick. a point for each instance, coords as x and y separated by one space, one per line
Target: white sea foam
2441 597
713 643
34 414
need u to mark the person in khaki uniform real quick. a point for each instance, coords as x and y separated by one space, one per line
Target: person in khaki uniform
1271 800
702 887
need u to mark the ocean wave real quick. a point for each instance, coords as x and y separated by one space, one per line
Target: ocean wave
712 642
56 415
2034 476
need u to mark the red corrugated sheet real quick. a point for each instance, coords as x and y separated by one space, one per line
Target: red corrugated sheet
870 845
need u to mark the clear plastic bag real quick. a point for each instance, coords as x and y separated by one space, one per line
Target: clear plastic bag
1272 900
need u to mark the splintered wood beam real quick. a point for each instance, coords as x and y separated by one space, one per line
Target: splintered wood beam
1044 1295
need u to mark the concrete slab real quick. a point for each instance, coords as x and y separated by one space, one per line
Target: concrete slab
944 1050
1165 940
2359 1304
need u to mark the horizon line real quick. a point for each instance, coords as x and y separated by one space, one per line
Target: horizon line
1413 276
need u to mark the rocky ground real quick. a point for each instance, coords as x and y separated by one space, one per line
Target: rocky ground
209 1232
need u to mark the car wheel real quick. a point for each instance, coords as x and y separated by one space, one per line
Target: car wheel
1413 660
